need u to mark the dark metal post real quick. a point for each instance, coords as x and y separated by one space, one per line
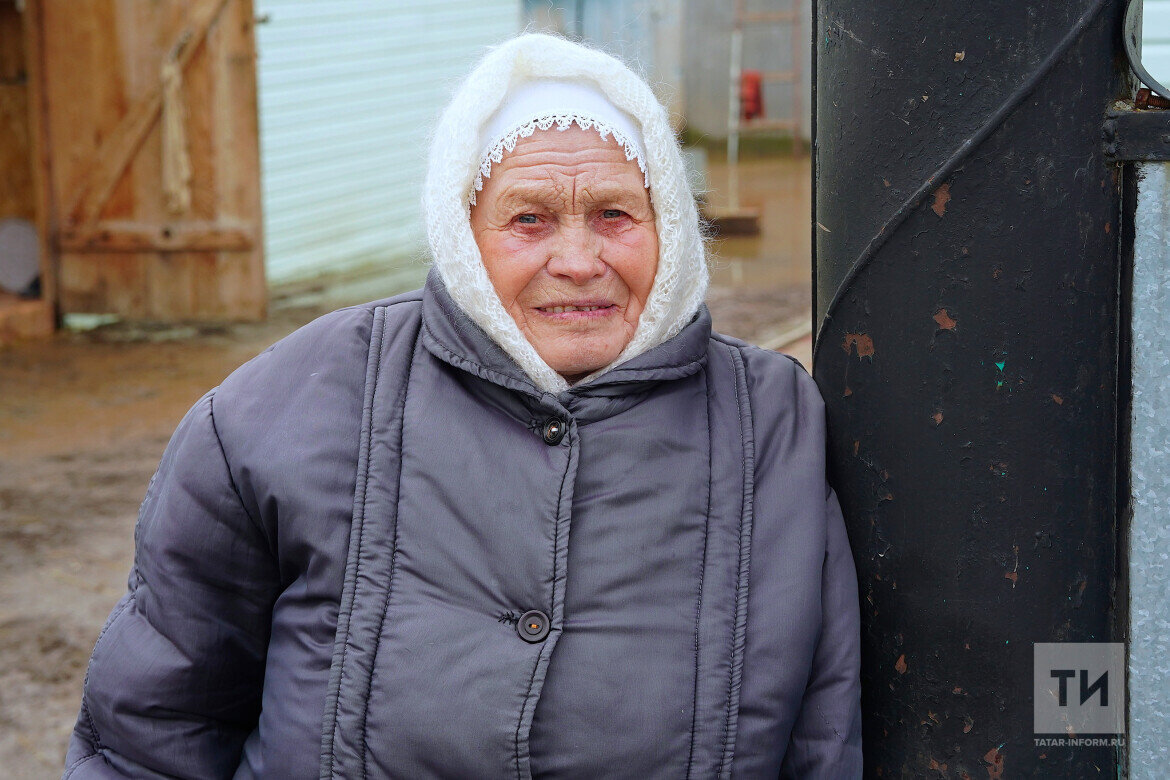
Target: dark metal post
967 264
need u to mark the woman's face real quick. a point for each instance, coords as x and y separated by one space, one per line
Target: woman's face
566 231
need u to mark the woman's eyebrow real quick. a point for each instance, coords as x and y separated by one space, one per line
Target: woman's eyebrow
548 195
616 195
532 194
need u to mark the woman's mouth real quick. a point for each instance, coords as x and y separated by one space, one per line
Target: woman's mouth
577 310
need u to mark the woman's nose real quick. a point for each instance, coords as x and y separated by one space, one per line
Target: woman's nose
577 256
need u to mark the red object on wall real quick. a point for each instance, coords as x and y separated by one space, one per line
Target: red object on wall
751 94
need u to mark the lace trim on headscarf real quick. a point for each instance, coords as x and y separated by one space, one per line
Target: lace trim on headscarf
563 122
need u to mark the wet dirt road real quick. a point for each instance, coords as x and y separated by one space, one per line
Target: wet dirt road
83 423
84 419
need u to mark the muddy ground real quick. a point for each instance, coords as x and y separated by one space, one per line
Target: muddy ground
84 418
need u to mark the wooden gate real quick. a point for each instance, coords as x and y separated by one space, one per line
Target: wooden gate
149 131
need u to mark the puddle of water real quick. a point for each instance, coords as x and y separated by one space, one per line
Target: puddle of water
780 188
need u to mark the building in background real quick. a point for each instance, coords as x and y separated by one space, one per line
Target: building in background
646 34
349 90
684 48
776 44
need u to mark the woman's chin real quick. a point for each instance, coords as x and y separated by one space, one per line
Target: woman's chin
579 364
576 353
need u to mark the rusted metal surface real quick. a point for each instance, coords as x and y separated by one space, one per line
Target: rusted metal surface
1147 99
967 258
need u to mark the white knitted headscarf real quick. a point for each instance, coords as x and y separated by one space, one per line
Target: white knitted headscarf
453 167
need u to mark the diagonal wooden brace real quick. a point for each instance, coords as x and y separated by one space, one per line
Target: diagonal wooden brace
118 149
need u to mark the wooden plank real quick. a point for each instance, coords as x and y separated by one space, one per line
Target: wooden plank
103 283
24 319
177 286
769 17
12 55
188 236
119 148
17 196
740 222
235 112
786 76
770 124
44 213
237 185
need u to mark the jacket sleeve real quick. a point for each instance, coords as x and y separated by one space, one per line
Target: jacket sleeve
174 684
826 738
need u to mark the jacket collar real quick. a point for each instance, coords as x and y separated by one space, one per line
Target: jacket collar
449 334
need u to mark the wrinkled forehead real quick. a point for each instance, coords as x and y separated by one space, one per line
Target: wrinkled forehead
566 169
553 108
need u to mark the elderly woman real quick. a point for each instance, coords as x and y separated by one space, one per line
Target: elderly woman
535 519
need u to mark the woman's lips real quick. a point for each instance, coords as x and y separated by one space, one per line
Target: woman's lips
577 311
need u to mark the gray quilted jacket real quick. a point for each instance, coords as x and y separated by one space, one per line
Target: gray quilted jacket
377 550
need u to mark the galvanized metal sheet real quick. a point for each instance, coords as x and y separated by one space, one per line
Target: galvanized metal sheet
1149 537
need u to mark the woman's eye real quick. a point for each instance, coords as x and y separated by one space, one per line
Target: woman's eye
526 219
612 213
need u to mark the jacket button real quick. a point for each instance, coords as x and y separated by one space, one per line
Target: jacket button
533 626
554 431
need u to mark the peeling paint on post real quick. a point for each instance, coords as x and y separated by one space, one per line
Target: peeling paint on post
859 342
942 196
967 347
945 320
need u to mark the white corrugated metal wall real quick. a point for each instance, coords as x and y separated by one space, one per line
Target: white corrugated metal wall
348 92
1156 39
646 34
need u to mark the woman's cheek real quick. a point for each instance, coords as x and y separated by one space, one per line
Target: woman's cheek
637 238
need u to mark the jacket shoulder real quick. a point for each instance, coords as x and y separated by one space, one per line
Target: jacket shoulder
310 380
334 346
775 378
787 420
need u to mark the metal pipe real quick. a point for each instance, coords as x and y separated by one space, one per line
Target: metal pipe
733 109
967 254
